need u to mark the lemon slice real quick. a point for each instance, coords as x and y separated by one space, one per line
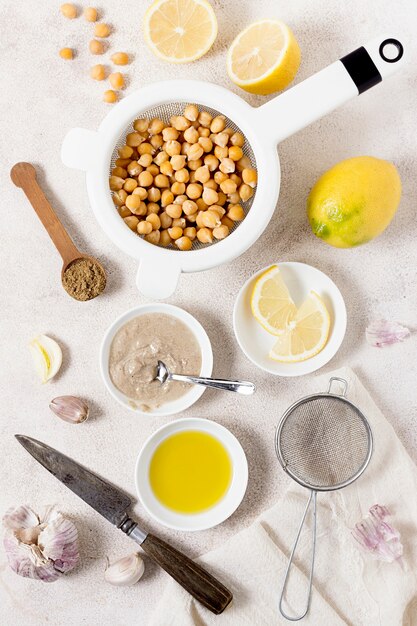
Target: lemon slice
180 31
264 57
47 356
306 334
271 303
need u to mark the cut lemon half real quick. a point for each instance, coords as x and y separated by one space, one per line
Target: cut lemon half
264 57
180 31
306 334
271 303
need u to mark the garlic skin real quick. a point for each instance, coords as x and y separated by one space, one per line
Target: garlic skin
126 571
42 547
378 538
70 409
382 333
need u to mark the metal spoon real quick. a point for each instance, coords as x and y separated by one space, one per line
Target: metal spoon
239 386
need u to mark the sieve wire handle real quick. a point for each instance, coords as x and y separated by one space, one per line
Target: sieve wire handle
342 381
295 618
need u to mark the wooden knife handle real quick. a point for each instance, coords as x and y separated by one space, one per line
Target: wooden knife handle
196 580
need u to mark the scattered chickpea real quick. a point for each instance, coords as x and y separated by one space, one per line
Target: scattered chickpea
119 58
117 80
110 96
144 228
90 14
101 30
66 53
161 180
69 10
96 47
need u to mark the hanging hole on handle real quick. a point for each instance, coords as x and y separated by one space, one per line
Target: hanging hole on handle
342 382
391 50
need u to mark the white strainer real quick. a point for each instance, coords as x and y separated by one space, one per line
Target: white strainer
263 127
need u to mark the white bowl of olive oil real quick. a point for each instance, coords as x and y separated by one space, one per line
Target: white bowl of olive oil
191 474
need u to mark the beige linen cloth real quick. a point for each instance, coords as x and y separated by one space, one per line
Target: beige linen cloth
349 586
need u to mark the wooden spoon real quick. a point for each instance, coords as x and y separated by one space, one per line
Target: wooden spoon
23 175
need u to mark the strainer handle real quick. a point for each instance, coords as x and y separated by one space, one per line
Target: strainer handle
342 381
295 618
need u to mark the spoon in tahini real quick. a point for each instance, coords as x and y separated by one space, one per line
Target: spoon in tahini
23 175
238 386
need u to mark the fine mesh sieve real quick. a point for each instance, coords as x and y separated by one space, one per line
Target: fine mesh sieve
165 112
323 442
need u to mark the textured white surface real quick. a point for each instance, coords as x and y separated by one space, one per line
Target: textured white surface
41 98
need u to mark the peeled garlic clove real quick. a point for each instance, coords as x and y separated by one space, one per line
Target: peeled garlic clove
47 356
126 571
70 409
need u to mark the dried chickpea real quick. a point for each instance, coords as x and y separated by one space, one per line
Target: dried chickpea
191 112
170 134
141 192
166 168
228 222
165 240
180 199
90 14
222 199
119 197
101 30
201 205
243 163
191 135
227 166
178 161
210 196
236 179
202 174
145 179
152 207
119 171
178 188
228 186
141 125
194 165
220 139
185 147
144 228
194 190
96 47
132 222
134 168
184 243
229 131
153 237
249 177
221 153
145 160
161 180
219 177
206 143
190 232
199 219
174 210
153 219
212 162
195 152
179 221
116 183
192 178
134 139
124 211
175 232
182 176
153 169
218 209
122 162
189 207
218 124
204 132
69 10
130 184
245 192
156 141
167 197
161 157
179 122
235 212
166 220
172 147
125 151
120 58
98 72
234 198
134 203
117 80
235 153
210 219
205 235
154 194
66 53
220 232
237 139
205 118
145 148
192 218
211 184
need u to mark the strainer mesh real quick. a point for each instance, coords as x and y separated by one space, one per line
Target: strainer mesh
324 442
164 112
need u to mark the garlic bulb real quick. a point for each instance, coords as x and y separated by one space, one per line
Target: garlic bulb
47 356
40 546
70 409
126 571
381 333
381 540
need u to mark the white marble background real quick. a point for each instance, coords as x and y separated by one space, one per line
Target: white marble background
41 98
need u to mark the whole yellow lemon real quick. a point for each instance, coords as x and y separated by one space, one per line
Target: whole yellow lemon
354 201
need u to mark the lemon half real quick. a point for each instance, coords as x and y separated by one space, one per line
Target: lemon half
180 31
264 57
271 303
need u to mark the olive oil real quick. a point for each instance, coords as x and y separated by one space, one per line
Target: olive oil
190 471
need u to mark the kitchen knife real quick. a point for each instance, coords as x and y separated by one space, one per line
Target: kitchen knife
113 504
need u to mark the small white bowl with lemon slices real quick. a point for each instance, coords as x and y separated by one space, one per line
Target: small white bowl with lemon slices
305 300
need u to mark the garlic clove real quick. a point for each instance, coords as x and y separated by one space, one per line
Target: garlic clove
20 517
59 543
126 571
378 538
47 356
70 409
381 333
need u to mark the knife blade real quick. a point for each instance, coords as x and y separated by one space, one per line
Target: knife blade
113 505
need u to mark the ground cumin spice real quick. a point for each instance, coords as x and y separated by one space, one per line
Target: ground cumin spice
84 279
